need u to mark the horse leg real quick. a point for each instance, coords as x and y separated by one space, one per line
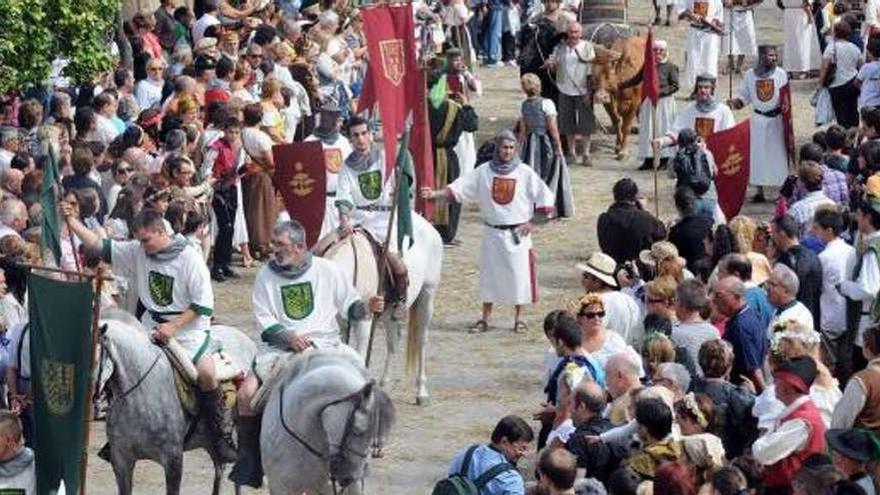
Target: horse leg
424 313
173 473
628 116
218 477
392 343
359 336
123 469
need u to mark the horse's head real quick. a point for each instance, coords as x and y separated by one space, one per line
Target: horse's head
104 366
352 426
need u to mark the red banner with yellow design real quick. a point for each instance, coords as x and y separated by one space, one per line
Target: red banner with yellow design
300 175
731 151
393 72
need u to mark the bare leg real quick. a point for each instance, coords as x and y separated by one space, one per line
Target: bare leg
207 380
246 259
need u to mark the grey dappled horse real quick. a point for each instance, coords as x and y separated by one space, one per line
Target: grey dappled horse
319 424
424 264
145 419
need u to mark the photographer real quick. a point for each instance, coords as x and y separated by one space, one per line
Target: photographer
626 228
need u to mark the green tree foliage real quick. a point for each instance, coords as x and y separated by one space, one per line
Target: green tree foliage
35 31
26 44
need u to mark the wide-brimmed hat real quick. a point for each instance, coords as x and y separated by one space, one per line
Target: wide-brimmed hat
854 443
601 266
659 251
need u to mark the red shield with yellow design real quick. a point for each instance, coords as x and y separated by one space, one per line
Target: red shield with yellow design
503 190
704 126
393 64
765 88
701 8
333 160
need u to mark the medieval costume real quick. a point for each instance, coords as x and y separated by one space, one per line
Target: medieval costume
448 121
257 190
459 80
536 42
801 51
540 152
703 42
508 194
336 149
705 115
739 28
667 73
760 87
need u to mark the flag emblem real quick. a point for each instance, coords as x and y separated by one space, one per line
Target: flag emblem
333 160
704 126
161 288
733 163
370 184
502 190
298 300
57 381
765 88
393 65
301 184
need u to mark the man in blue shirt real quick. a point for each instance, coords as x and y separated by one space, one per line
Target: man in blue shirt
510 441
743 330
738 265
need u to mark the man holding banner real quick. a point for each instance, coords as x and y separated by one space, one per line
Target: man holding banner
336 149
705 115
762 88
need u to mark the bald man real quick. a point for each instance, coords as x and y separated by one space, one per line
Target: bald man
588 403
743 330
13 217
557 470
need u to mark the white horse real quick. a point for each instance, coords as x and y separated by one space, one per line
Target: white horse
319 424
424 263
146 419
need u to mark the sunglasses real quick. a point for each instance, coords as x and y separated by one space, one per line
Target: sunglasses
123 170
590 314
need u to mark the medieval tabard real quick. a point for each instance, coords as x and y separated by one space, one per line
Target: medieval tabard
801 50
703 122
740 21
702 44
367 194
507 262
667 73
769 166
336 150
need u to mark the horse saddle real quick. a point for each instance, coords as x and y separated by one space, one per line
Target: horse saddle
185 375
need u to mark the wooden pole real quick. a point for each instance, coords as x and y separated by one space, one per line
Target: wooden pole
383 262
90 410
73 246
65 272
730 60
656 159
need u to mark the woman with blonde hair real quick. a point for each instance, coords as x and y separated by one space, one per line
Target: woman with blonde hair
272 103
791 339
599 343
744 231
542 148
657 349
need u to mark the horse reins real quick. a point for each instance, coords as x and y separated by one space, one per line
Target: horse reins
138 382
348 424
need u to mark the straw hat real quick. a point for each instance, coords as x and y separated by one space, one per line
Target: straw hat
601 266
660 251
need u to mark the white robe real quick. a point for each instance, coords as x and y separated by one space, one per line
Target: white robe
665 119
769 166
720 119
356 191
507 269
701 47
741 22
801 50
334 158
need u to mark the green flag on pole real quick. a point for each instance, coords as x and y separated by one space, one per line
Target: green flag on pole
61 352
405 179
50 235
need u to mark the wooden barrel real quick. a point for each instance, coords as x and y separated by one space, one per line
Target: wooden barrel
597 11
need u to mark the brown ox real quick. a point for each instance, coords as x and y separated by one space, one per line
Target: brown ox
617 84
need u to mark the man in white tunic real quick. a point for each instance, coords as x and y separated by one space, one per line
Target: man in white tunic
174 286
705 115
760 87
667 73
297 299
364 199
703 37
508 193
739 32
336 149
800 54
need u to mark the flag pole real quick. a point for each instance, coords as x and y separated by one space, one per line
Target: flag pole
90 410
656 158
383 260
730 57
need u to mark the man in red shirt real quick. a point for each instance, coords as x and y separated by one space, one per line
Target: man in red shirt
225 154
798 432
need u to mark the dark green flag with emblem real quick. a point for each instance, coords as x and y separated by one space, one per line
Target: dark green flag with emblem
61 349
50 235
406 176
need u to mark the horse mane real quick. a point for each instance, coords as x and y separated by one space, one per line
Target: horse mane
122 316
123 328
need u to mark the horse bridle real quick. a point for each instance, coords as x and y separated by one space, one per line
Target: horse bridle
131 389
343 447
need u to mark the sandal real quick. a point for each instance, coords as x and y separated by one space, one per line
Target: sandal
479 327
520 327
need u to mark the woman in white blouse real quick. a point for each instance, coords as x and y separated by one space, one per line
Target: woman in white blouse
846 58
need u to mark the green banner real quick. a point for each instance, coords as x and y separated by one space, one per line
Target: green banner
61 349
50 237
406 176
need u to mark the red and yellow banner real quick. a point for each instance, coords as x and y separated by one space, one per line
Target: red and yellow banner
301 177
732 157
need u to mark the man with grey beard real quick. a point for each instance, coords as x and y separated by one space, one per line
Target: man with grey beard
760 88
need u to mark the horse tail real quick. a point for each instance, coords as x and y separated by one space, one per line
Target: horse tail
413 342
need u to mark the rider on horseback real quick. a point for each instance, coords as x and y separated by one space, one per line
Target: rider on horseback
364 197
174 286
296 299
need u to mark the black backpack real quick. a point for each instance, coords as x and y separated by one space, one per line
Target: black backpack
691 166
460 484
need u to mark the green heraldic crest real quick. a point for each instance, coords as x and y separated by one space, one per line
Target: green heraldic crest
58 380
161 288
370 184
298 300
